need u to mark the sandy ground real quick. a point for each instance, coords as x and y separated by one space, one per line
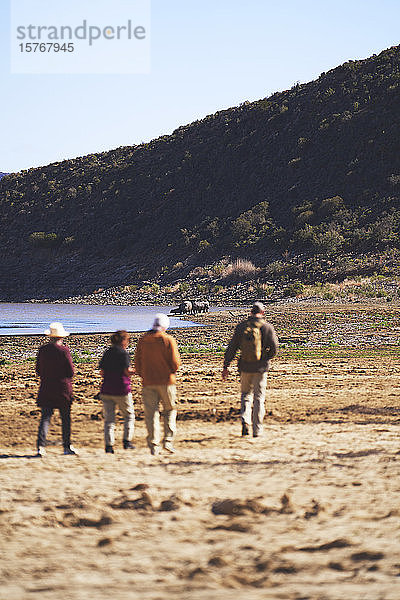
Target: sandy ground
309 511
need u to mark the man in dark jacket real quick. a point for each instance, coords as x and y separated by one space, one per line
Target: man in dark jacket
55 369
258 343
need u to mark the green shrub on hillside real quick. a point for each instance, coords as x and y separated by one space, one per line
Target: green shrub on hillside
304 217
293 289
252 225
203 245
40 239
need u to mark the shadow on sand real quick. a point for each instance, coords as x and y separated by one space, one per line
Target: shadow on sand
19 456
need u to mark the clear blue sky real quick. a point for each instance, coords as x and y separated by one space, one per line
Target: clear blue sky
206 55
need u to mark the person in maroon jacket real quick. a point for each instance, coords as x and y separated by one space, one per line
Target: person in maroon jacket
116 390
55 369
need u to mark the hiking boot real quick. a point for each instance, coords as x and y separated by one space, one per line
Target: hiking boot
245 429
128 445
168 446
70 450
41 451
109 450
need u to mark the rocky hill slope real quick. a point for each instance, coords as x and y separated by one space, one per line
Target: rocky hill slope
314 170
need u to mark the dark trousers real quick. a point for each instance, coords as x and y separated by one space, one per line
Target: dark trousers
47 413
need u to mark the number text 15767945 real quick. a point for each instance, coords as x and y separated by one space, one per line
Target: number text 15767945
46 47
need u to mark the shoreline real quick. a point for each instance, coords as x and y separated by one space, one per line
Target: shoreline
216 303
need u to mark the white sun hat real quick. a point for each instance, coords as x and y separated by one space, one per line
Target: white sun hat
56 330
161 321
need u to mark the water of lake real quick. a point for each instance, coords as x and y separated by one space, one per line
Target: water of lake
23 319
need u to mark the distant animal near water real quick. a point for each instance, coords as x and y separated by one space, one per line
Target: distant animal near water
200 306
185 308
188 307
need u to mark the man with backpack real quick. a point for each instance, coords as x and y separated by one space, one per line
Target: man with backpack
258 343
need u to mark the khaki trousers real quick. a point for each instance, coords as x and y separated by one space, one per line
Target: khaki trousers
125 406
252 403
152 396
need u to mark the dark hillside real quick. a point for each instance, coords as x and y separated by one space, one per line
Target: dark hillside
315 169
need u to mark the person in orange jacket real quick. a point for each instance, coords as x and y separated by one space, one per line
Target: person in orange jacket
156 362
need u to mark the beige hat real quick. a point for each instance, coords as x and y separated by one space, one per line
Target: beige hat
56 330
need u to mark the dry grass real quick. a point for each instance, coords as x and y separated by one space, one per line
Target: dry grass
241 268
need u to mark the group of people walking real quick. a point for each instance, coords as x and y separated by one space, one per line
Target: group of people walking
156 361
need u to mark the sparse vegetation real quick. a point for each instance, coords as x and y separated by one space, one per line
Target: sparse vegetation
293 289
40 239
